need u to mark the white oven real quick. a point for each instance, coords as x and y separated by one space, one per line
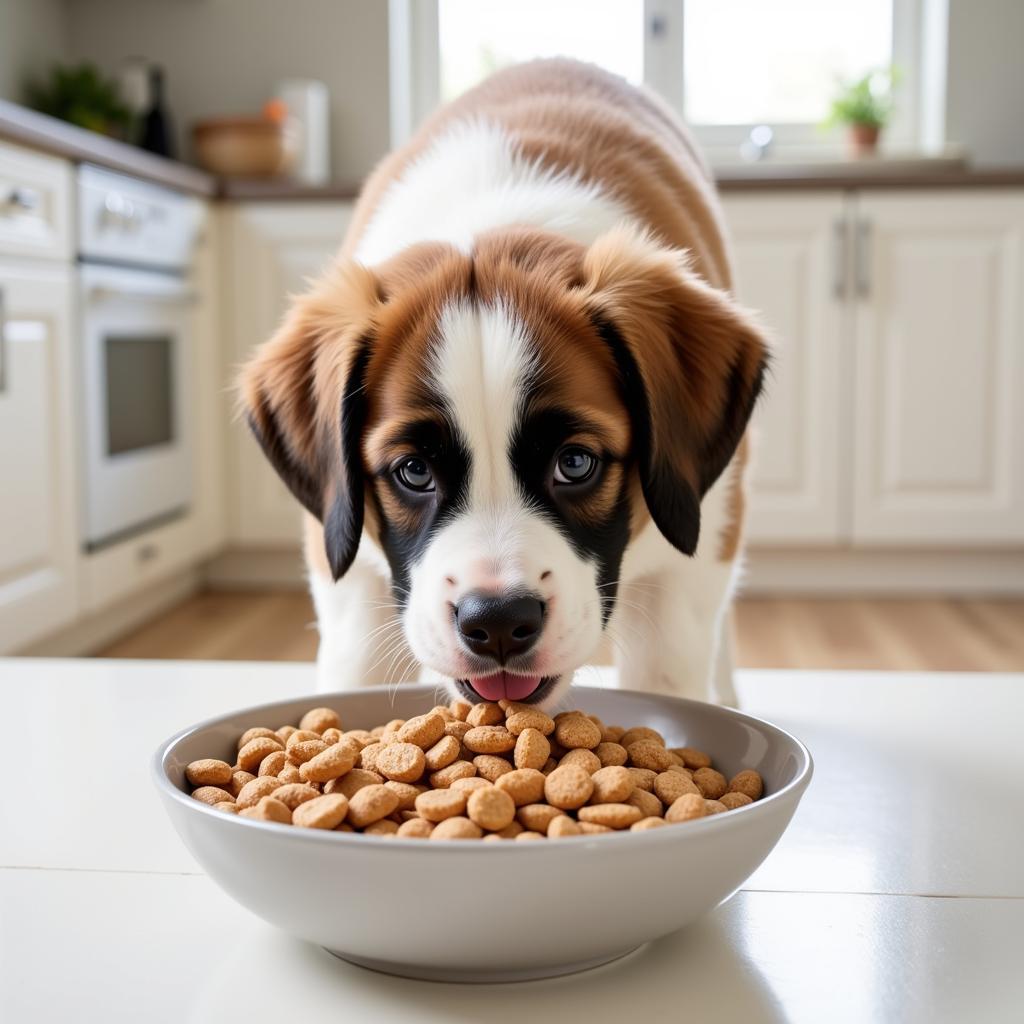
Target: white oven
136 307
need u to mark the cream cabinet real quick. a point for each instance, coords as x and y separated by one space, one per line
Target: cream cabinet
786 264
938 424
271 252
892 415
39 507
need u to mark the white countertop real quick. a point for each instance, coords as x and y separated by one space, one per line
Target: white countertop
896 895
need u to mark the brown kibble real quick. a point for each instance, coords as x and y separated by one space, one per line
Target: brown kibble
423 731
353 781
686 808
238 780
212 795
295 793
593 828
300 736
714 807
730 801
524 785
691 758
370 804
331 736
289 773
530 718
645 823
321 812
485 713
250 756
712 784
563 826
612 785
536 817
406 794
229 807
415 828
252 792
491 767
613 733
456 770
528 837
616 815
331 763
611 754
586 759
273 763
385 827
442 753
268 809
549 766
670 786
489 739
491 808
305 750
649 754
208 772
747 782
459 709
643 778
440 804
532 748
401 762
257 732
318 719
360 736
568 787
284 733
471 782
649 804
641 732
457 729
577 732
456 828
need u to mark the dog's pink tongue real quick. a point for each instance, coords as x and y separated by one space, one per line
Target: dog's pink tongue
505 686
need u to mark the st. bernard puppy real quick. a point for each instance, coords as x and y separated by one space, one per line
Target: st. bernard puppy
515 405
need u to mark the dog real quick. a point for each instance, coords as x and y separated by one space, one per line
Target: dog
515 406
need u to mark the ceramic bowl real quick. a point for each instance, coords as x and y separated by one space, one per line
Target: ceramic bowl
244 147
471 911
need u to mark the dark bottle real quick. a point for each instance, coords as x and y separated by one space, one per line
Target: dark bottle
156 135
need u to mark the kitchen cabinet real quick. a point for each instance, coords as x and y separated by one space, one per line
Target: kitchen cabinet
39 507
938 423
785 263
892 415
271 252
35 205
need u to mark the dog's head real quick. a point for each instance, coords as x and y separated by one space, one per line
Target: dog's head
502 424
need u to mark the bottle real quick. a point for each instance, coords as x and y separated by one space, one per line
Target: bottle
156 133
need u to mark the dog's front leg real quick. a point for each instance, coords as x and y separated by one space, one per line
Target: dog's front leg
361 640
667 632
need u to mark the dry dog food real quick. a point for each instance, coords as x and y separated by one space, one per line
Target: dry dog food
484 771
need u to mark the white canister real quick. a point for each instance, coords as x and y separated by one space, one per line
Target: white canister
308 109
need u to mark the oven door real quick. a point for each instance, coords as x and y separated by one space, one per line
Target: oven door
135 369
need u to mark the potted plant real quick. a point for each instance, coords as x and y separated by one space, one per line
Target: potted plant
82 96
864 107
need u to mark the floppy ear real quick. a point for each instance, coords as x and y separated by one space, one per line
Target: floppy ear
691 362
303 397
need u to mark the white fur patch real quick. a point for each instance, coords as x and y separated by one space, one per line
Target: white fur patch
474 179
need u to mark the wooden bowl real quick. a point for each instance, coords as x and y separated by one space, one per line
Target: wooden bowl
244 147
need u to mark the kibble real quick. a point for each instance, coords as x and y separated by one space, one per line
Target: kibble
488 771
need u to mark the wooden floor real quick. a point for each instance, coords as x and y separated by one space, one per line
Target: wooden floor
929 635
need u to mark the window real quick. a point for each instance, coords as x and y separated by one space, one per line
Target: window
725 65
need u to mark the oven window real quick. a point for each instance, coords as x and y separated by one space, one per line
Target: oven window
140 392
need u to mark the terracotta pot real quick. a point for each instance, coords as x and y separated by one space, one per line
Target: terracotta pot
863 139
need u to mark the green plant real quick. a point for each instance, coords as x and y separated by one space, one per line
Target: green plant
83 96
867 101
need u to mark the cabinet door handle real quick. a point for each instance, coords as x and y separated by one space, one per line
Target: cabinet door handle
839 250
3 345
863 258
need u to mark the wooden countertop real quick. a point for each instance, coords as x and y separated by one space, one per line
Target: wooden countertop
39 131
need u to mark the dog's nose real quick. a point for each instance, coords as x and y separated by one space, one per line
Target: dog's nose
499 627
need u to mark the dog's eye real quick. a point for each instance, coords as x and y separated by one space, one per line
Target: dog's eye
415 474
574 465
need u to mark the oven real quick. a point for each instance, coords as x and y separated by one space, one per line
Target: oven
136 304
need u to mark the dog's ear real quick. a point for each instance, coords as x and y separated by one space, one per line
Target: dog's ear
302 394
691 362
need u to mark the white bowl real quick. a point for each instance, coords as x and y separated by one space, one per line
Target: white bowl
469 911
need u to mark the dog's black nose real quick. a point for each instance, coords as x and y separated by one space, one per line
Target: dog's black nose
499 627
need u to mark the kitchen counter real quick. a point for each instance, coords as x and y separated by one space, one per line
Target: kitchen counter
39 131
897 894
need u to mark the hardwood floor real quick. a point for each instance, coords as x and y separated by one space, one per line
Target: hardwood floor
928 634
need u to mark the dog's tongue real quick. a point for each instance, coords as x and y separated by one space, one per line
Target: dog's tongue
504 685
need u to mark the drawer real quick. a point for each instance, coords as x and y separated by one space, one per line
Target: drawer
35 204
125 568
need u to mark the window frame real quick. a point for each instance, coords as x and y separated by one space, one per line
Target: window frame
415 79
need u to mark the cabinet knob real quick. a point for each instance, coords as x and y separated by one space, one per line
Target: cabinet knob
20 200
